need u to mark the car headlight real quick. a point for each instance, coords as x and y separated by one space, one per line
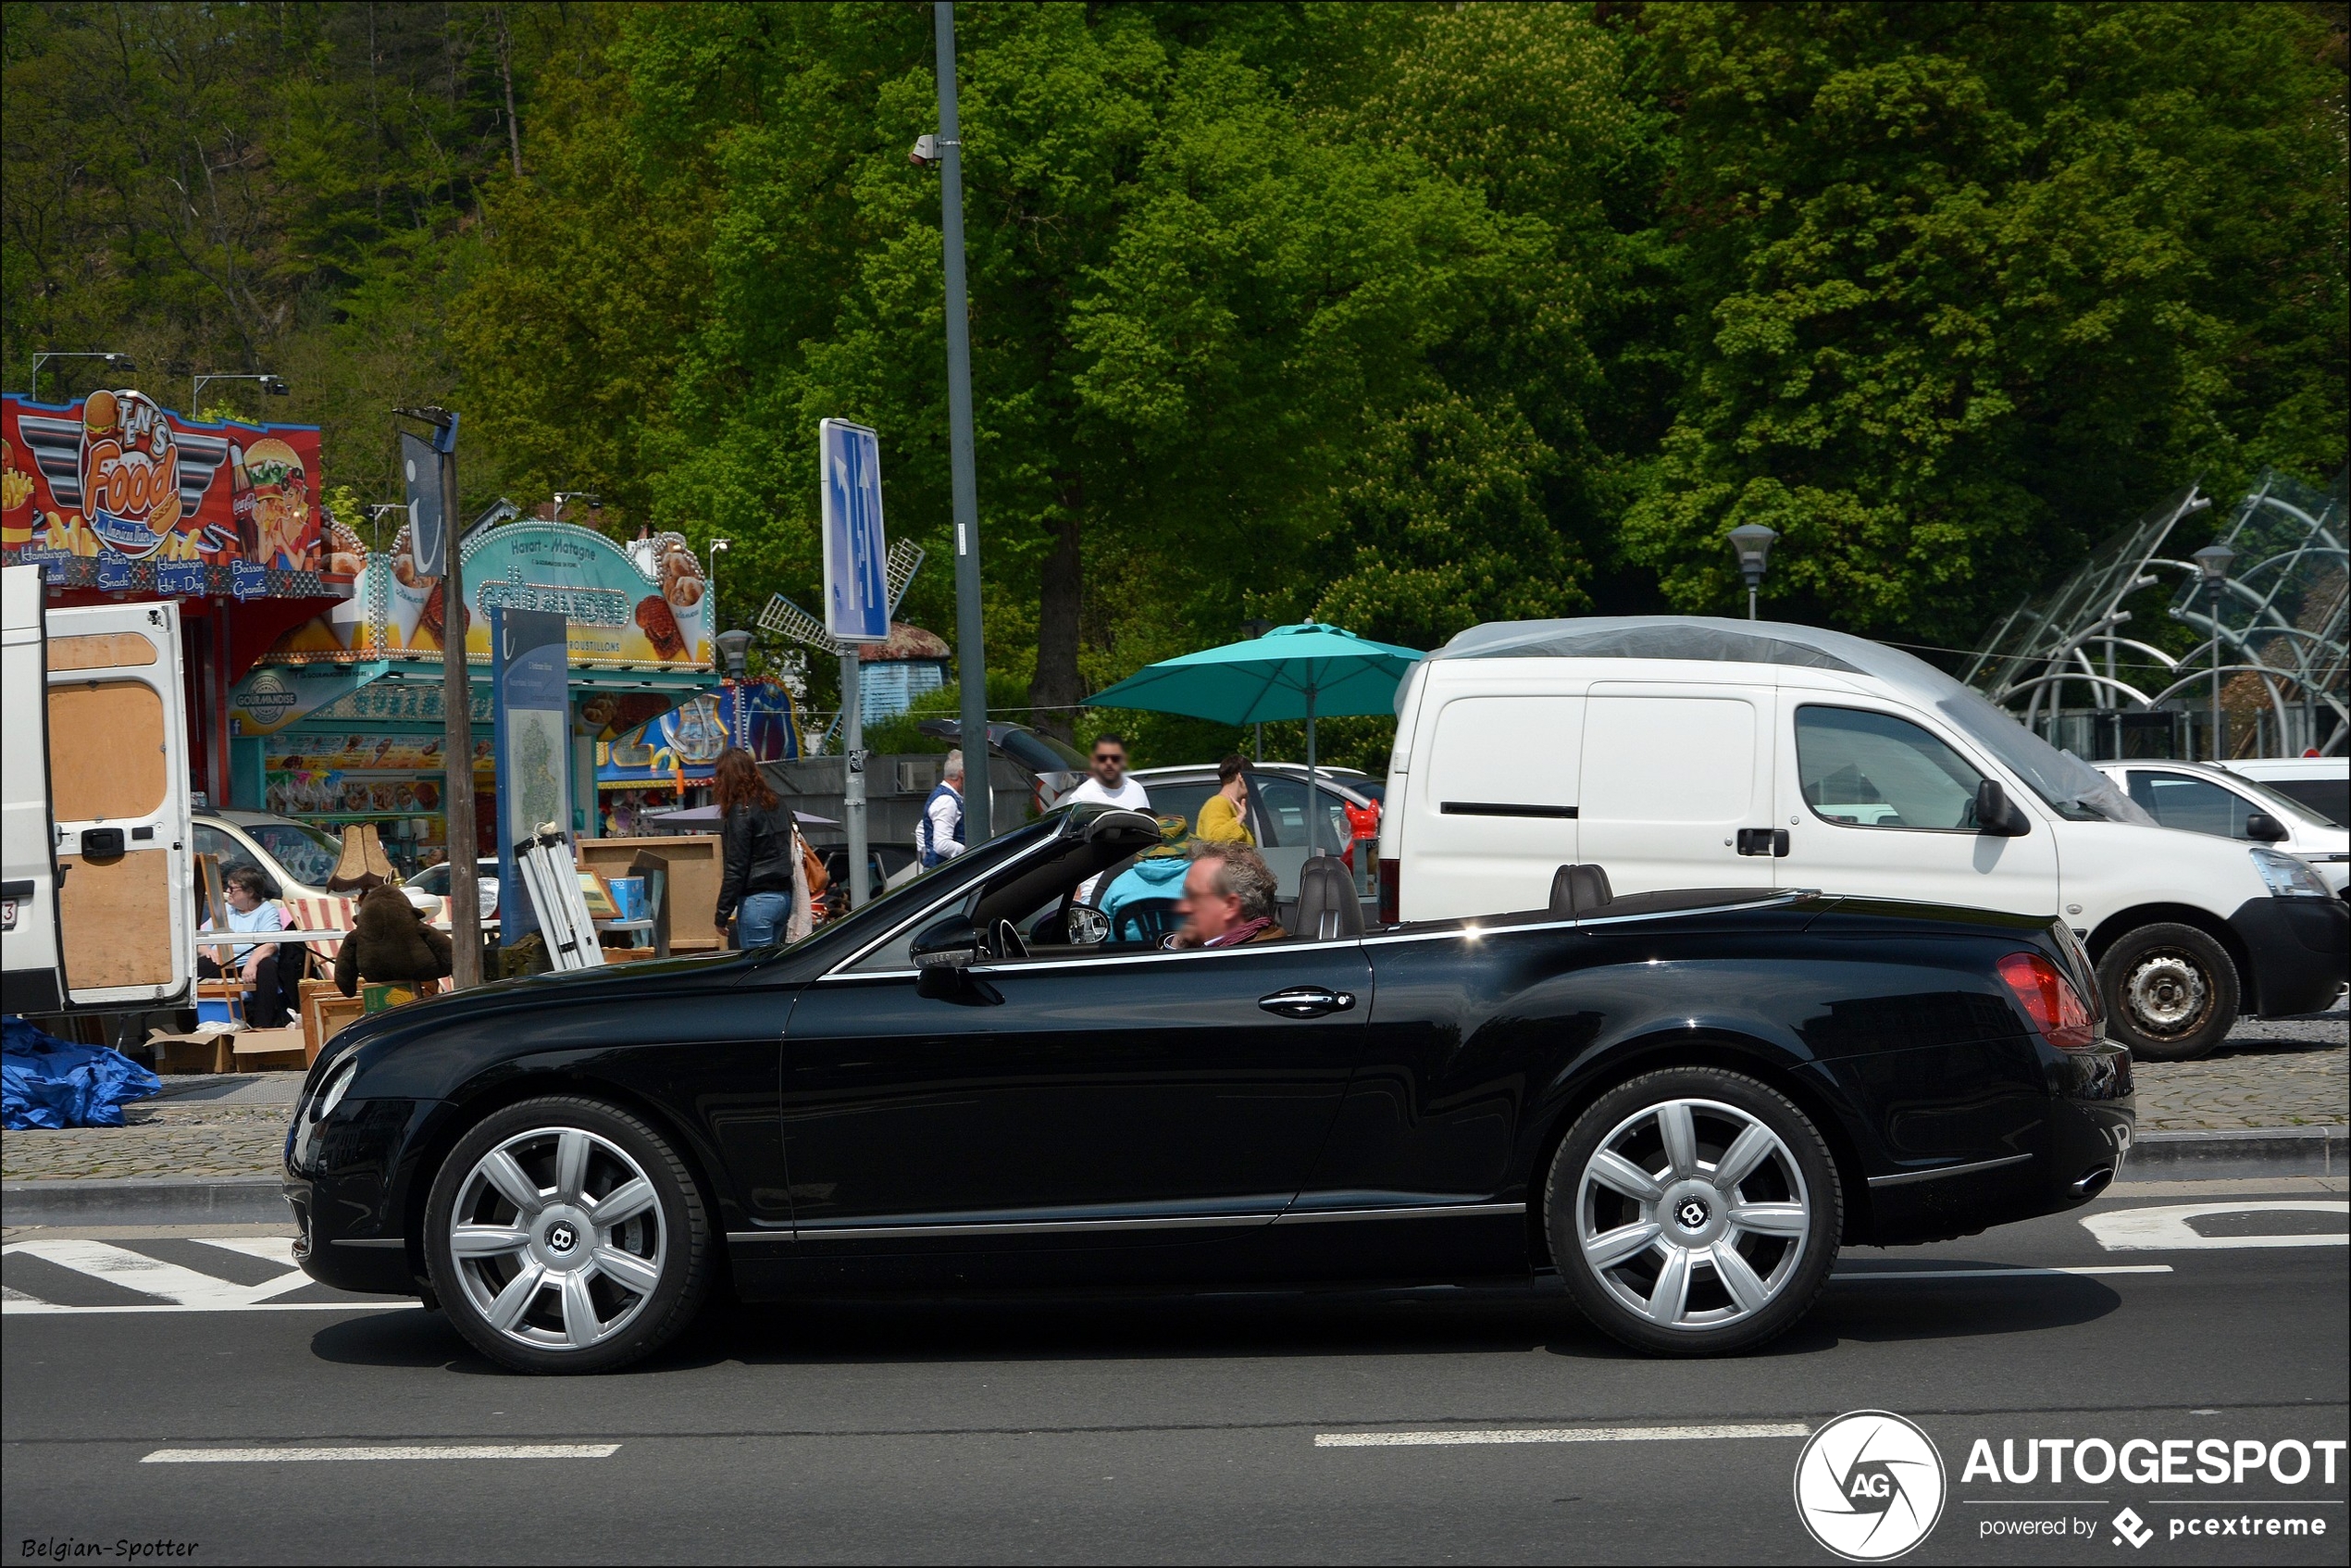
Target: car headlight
2289 876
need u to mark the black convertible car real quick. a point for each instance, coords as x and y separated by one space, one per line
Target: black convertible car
1683 1102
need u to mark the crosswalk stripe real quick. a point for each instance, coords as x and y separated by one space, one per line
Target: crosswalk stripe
276 1249
153 1276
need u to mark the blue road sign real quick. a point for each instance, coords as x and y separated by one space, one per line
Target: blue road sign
856 557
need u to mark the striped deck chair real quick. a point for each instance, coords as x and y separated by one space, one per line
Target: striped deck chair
328 913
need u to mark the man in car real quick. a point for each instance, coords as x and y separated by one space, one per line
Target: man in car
1228 898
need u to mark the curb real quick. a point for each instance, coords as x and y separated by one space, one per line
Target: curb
2252 1151
144 1201
2255 1152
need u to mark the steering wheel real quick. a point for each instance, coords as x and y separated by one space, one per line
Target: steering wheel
1005 939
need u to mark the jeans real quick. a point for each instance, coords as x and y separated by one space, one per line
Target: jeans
761 919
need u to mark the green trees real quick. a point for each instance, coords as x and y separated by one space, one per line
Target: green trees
1403 316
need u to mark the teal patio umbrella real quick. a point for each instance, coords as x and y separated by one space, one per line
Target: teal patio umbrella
1302 671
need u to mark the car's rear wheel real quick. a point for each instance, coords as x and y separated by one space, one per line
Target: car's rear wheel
1694 1212
2171 992
565 1235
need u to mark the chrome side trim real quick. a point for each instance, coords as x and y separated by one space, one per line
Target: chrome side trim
1029 1227
1107 961
1905 1177
384 1241
1417 1212
1469 928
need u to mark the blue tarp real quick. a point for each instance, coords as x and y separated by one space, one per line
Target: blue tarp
47 1082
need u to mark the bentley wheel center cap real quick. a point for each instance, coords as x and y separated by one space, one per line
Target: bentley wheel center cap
1690 1214
562 1238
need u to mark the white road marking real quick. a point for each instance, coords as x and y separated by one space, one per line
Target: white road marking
151 1277
1557 1435
398 1451
39 1309
276 1249
2017 1273
2167 1230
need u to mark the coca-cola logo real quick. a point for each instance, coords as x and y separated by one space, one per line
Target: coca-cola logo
129 472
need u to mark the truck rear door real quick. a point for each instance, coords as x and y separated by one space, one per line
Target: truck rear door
119 798
34 979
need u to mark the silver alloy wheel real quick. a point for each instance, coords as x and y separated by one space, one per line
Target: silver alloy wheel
558 1238
2166 992
1686 1240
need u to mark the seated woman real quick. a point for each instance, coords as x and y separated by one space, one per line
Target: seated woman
1221 818
273 971
1228 898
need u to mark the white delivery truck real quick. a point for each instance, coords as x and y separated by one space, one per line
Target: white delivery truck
96 907
1686 752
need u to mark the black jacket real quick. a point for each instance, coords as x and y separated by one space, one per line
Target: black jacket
758 847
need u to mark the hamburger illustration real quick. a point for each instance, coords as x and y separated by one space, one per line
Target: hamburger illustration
660 626
281 503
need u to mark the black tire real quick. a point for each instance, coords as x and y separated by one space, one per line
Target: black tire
664 1247
1795 1184
2172 993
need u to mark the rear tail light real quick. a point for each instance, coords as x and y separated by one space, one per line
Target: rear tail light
2050 1001
1391 891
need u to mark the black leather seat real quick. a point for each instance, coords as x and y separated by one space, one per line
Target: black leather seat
1578 890
1329 910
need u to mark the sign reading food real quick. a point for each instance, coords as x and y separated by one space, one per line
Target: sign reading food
115 480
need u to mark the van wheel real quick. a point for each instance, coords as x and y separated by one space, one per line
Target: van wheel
2172 993
1694 1212
564 1235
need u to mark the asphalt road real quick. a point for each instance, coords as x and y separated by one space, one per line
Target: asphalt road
1161 1429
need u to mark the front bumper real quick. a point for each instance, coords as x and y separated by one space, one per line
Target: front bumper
2299 951
346 1183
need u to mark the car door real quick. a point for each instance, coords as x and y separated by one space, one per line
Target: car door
1144 1097
1876 804
1677 786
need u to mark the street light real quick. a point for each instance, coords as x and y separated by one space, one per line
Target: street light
113 362
718 548
1752 542
734 649
375 514
565 497
270 384
2213 562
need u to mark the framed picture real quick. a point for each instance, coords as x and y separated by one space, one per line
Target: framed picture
598 894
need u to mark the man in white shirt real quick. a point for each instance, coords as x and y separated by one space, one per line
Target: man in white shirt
940 835
1109 786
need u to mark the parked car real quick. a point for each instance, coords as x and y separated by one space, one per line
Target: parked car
1276 811
2321 783
296 857
432 883
2203 798
1690 751
1683 1102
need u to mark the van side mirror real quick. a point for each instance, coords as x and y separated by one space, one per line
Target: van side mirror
2262 828
1995 816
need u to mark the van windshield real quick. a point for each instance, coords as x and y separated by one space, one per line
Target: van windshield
2073 788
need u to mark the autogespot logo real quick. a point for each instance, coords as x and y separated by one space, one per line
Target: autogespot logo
1869 1485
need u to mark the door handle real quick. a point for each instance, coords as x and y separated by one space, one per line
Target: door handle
1764 840
1307 1002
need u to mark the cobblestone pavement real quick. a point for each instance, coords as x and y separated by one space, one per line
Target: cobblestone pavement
2286 1074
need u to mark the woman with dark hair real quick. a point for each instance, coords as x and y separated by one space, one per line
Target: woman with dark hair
1224 816
762 855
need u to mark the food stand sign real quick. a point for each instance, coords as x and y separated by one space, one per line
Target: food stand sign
114 491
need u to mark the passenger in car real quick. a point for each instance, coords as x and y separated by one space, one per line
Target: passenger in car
1228 898
1221 817
1157 875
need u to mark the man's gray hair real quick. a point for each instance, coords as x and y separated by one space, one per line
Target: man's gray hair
1240 873
953 767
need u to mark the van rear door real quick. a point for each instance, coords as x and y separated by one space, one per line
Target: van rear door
35 978
118 795
1677 785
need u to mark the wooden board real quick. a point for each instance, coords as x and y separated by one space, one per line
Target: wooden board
695 870
107 752
105 650
114 917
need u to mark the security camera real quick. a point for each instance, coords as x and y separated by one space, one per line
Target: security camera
926 152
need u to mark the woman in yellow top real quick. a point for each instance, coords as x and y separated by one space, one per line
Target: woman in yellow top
1221 818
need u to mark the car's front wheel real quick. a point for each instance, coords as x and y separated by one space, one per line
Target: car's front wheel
2171 992
565 1235
1694 1212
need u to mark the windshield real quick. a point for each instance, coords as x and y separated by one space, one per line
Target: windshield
307 855
887 909
2071 786
2280 804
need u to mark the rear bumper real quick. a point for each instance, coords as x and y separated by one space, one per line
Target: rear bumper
2299 952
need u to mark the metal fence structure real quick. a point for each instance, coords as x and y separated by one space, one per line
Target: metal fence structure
2264 673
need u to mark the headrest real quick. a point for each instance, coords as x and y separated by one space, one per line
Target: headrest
1328 909
1578 890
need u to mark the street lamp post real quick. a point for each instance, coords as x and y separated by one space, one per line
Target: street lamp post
271 384
1752 543
2213 562
113 362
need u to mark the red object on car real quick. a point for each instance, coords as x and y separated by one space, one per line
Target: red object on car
2050 1001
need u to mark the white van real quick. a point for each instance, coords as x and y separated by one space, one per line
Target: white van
1686 752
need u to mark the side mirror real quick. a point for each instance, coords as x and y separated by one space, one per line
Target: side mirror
1995 816
2264 828
951 945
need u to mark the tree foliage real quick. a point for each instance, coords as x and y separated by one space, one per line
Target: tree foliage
1403 316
